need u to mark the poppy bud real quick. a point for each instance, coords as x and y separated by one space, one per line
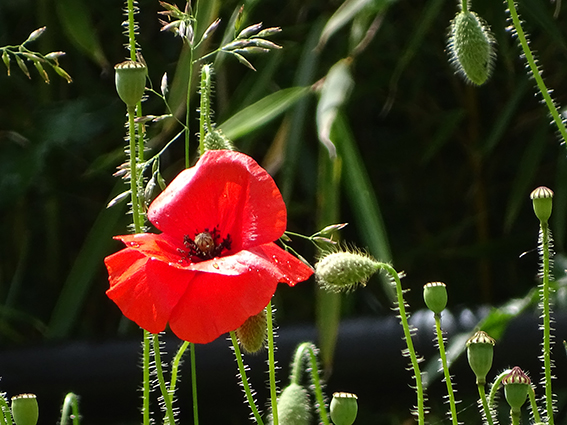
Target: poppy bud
542 199
435 296
253 333
293 406
344 408
25 410
516 387
130 80
480 350
343 271
471 47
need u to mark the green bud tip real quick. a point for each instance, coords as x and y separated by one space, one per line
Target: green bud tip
471 47
480 351
343 271
130 80
25 410
542 199
253 333
516 387
435 296
344 408
293 406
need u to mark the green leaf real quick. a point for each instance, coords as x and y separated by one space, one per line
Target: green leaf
78 26
261 112
362 198
336 89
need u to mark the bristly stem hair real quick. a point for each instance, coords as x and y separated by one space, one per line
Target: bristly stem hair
445 367
536 71
409 342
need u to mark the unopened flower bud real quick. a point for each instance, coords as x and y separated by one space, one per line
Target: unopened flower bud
130 79
253 333
293 406
344 408
344 271
435 296
542 199
480 350
471 47
516 387
25 410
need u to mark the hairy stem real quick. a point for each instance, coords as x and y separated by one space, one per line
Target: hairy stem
535 71
485 406
169 419
136 216
272 364
70 410
244 379
409 342
445 367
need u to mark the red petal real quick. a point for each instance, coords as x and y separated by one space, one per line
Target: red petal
232 289
142 288
225 189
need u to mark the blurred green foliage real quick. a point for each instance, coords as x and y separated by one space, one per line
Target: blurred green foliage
431 173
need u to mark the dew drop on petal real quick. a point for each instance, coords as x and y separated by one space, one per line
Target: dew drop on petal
275 259
216 266
134 244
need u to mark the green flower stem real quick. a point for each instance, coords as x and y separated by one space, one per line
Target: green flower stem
464 5
407 336
495 386
5 410
146 378
515 418
244 378
545 290
70 410
169 419
175 367
136 216
131 30
443 356
485 406
205 107
194 386
308 349
272 364
536 74
533 404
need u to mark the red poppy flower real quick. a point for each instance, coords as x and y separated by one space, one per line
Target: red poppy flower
214 265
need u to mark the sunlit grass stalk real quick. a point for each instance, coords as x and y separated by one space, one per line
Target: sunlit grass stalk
167 399
205 107
308 349
409 342
244 379
546 316
445 367
188 101
70 410
535 71
272 364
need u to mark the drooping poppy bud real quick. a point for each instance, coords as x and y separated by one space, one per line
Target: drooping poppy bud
471 47
25 410
516 387
293 406
542 199
253 333
344 271
480 350
435 296
344 408
130 80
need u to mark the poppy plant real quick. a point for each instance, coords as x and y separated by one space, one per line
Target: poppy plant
215 264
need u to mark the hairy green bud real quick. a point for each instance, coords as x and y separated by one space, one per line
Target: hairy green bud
471 47
252 334
293 406
343 271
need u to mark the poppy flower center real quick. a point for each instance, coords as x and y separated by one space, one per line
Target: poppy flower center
205 245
